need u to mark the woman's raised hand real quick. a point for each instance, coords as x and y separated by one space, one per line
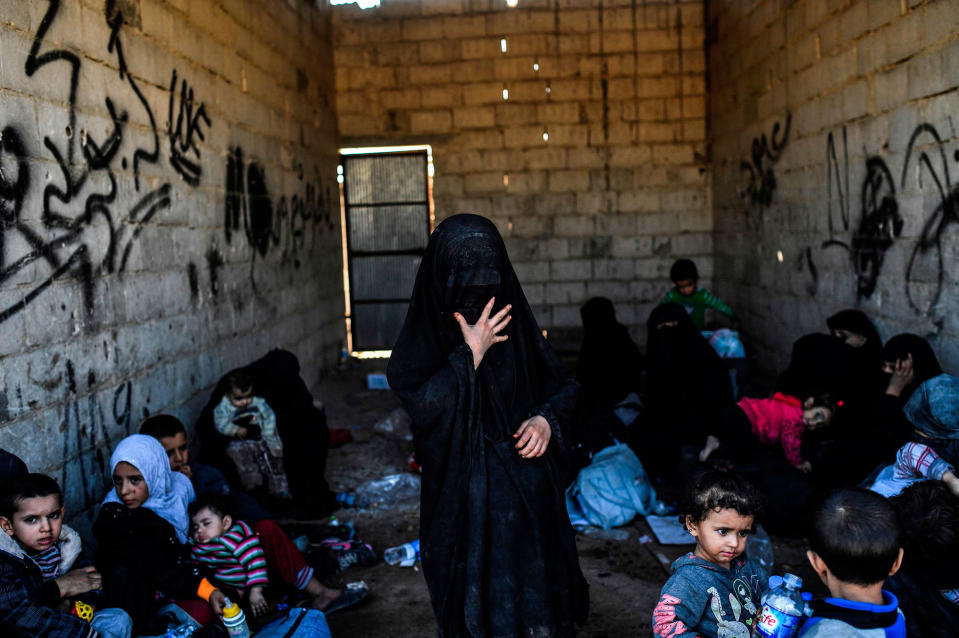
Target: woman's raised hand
902 375
485 332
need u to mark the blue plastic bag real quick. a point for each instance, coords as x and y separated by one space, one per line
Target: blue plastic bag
611 490
299 623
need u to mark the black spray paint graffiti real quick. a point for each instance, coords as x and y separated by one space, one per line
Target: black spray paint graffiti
926 262
762 180
87 435
292 224
188 123
879 224
80 232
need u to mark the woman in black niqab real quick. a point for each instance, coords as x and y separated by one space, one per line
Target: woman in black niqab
497 547
687 387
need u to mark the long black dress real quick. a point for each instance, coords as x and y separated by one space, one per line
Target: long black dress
497 548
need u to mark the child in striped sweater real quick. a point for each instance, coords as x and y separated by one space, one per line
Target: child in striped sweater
229 548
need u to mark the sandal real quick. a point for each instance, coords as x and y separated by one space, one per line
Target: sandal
348 598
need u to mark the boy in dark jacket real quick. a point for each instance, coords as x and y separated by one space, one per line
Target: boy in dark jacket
36 554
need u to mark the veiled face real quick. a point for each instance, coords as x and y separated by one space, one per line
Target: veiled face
472 263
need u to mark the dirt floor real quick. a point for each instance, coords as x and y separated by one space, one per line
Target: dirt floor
625 576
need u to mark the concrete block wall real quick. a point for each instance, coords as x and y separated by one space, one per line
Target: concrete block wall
620 187
169 211
835 157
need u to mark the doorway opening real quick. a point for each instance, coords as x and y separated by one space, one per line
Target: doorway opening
386 209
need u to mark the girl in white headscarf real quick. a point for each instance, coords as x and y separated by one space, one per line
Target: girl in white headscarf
141 530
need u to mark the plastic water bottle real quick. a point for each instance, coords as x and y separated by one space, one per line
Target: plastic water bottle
182 631
235 621
782 610
404 555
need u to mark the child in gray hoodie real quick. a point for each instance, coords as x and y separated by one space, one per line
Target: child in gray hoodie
715 590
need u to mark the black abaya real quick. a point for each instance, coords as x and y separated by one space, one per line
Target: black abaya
497 548
687 389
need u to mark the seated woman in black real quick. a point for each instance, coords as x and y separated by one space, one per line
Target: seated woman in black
140 532
608 368
687 387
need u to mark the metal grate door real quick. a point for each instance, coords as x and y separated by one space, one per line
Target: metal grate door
386 197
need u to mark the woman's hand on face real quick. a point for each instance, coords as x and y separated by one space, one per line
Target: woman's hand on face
902 375
485 332
533 435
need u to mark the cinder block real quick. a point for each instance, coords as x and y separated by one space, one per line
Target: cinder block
559 113
422 29
429 74
565 292
459 27
480 48
473 117
482 93
445 95
431 121
432 51
483 183
510 114
573 226
555 204
570 270
613 269
569 180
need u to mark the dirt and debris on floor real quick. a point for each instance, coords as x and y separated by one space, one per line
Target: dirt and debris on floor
625 576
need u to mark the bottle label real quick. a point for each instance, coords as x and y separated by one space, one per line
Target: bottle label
776 624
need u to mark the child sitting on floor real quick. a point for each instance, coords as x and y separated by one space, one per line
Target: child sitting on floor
855 544
36 554
714 591
780 419
228 547
232 549
695 300
933 411
256 450
141 531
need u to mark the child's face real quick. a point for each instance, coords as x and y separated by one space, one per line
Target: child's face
207 525
686 287
815 417
721 536
177 450
130 485
241 399
36 523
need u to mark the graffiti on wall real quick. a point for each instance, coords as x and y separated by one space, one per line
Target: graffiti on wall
184 129
291 224
881 222
926 265
87 225
764 153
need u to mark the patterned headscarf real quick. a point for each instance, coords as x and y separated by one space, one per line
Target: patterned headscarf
934 407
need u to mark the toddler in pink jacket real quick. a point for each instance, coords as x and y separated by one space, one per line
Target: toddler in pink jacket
778 420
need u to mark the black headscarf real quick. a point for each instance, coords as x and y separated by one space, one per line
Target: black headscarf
819 363
497 547
682 366
609 363
11 466
866 356
925 365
